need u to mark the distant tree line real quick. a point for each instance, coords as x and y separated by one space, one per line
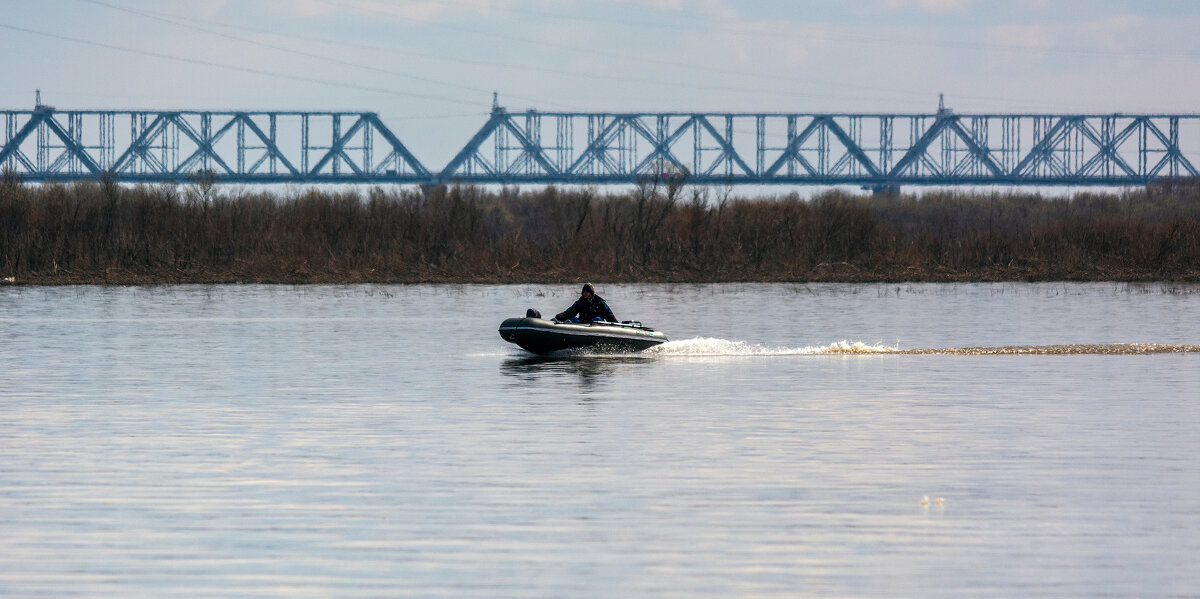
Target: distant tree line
104 232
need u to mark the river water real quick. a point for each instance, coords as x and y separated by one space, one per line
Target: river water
792 440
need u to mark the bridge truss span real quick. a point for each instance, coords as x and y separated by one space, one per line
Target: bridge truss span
881 150
244 147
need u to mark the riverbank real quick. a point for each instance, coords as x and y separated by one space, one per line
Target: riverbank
105 233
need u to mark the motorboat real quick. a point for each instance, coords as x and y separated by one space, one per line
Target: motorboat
542 336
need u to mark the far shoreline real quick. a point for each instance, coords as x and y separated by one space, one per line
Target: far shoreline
104 233
835 274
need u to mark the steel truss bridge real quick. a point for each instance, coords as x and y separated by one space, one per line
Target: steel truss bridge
876 150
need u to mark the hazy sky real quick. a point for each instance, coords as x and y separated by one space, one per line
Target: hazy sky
430 67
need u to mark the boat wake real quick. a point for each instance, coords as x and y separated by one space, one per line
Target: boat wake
1063 350
702 346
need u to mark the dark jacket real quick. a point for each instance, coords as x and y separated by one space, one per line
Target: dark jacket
588 310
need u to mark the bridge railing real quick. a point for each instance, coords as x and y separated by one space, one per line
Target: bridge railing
942 148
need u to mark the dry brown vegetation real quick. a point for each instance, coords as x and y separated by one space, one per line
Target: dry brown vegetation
102 232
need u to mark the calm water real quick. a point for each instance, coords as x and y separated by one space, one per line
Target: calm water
383 440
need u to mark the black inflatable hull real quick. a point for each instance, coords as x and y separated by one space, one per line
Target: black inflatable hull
542 336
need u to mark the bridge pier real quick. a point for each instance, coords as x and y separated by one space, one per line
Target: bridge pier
883 189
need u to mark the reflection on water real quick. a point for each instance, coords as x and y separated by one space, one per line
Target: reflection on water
591 369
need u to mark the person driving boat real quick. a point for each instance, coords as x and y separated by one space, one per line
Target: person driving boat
588 308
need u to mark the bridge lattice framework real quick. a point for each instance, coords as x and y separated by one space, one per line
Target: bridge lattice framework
878 150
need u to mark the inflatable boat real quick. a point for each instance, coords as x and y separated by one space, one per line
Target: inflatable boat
545 336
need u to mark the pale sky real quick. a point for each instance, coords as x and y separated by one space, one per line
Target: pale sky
429 67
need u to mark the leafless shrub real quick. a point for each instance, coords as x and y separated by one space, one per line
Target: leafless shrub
109 232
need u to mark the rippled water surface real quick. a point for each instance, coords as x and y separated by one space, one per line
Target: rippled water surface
821 440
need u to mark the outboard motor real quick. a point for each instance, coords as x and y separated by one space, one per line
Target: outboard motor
531 313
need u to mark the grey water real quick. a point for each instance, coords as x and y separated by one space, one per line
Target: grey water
374 440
